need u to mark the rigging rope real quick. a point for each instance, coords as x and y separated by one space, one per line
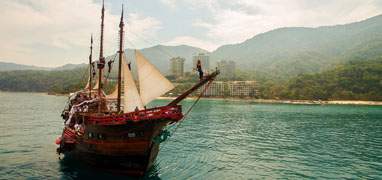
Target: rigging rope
108 72
165 134
84 79
111 65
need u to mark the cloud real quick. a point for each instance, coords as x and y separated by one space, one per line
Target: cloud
170 3
51 33
140 30
235 21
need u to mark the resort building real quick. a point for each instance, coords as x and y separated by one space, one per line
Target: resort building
231 89
177 66
242 88
216 88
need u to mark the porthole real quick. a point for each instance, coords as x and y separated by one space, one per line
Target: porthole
131 134
90 135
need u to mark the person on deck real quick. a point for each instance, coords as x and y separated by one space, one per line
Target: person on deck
199 69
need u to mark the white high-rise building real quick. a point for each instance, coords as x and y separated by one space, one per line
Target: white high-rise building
177 66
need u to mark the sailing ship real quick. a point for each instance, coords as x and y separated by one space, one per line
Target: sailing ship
117 131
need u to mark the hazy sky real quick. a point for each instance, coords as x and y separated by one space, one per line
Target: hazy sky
57 32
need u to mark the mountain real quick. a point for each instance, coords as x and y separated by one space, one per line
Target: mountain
71 77
287 52
69 67
6 66
160 55
280 53
353 80
43 81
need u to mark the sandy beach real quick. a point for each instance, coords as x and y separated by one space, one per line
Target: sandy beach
274 101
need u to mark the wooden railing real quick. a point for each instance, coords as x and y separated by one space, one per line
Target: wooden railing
172 113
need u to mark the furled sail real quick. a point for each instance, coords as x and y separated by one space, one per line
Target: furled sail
152 83
131 99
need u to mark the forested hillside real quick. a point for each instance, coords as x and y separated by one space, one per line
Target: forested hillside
354 80
43 81
287 52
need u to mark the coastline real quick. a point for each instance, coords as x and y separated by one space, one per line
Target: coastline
265 101
302 102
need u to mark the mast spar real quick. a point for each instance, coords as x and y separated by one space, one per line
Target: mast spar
121 53
90 65
101 62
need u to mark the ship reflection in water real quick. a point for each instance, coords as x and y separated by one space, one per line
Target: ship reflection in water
71 168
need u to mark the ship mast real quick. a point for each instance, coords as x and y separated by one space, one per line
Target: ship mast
121 54
90 66
101 62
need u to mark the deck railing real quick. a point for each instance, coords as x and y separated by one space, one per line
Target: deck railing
172 113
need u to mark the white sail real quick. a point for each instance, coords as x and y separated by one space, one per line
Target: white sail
131 99
114 94
87 84
96 85
152 83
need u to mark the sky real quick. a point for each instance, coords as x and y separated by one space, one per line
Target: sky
52 33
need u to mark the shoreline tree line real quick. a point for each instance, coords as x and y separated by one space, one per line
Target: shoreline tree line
353 80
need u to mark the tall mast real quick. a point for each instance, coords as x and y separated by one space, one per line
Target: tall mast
102 25
101 62
90 66
121 53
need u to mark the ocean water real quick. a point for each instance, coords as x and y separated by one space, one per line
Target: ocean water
218 140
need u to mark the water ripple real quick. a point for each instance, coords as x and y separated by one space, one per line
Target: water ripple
219 140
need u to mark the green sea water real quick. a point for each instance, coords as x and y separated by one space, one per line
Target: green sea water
218 140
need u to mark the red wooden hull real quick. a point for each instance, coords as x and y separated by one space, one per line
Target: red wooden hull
120 143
